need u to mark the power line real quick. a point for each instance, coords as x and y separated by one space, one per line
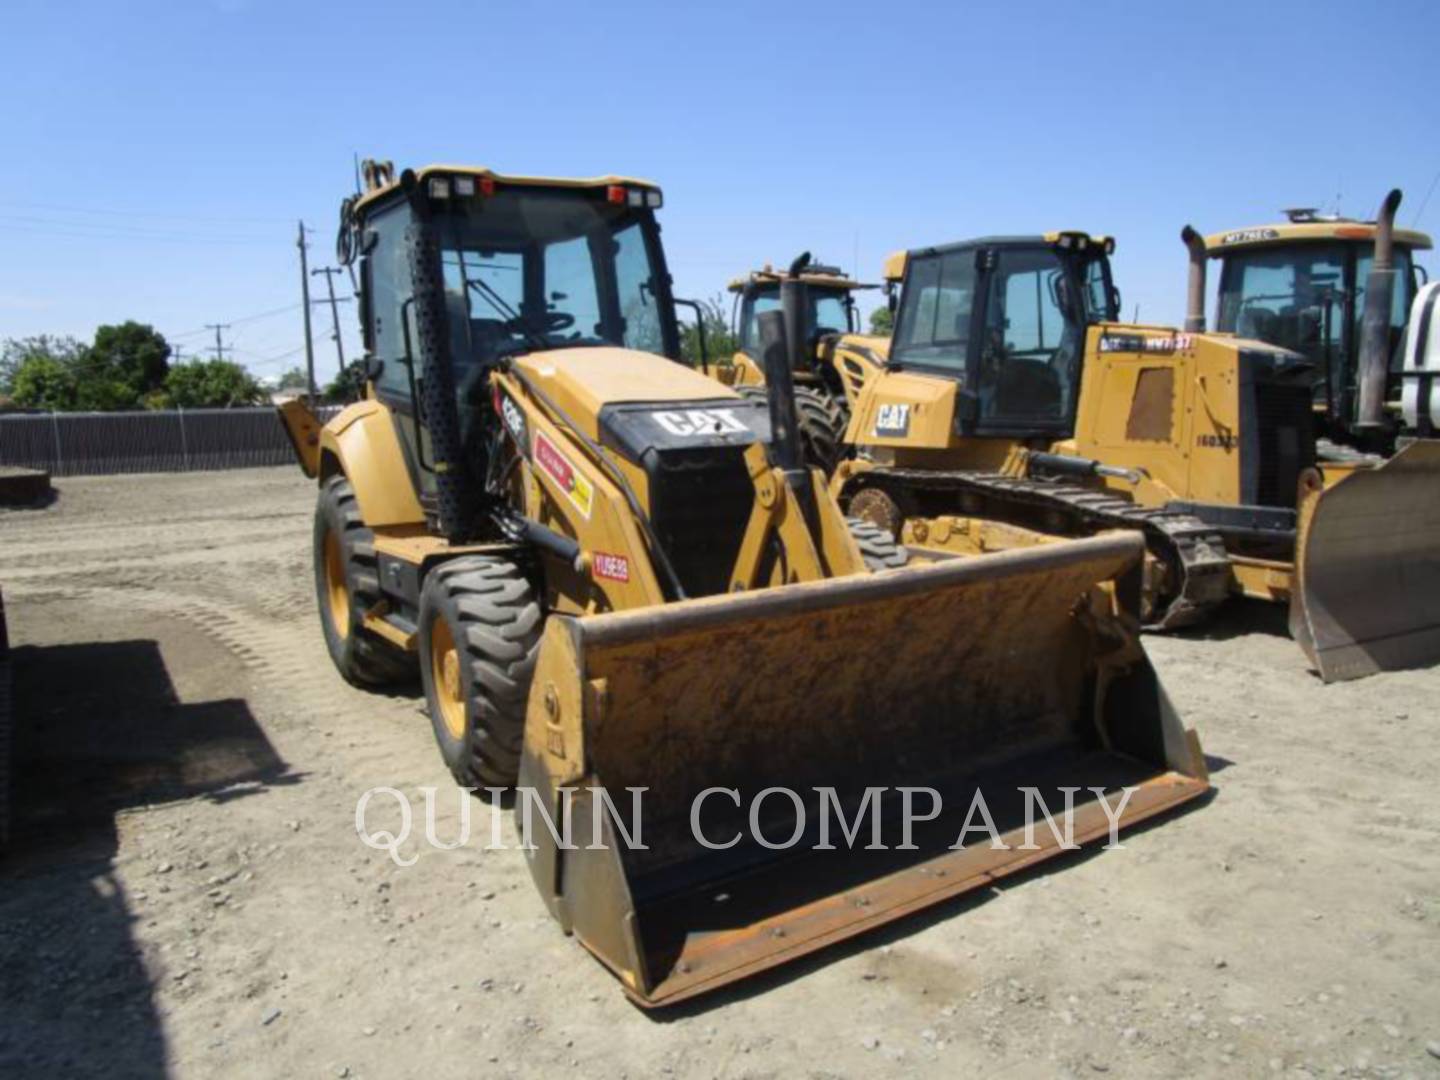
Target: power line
101 212
94 230
1423 202
271 313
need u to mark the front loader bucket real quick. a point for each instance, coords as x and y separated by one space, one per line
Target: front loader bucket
1367 573
991 675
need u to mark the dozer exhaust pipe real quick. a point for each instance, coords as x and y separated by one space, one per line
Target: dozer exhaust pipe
1195 293
1374 362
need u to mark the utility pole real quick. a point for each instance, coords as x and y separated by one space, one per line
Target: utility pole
305 297
219 344
330 272
175 351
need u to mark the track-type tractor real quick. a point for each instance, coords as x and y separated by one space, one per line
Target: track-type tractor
1015 408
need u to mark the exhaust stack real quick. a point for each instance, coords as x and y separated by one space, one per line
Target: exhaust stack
1374 361
1195 294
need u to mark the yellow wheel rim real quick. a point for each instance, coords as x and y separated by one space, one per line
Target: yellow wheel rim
337 592
445 675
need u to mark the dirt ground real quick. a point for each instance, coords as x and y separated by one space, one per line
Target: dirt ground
189 897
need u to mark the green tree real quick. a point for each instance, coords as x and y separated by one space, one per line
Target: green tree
15 351
126 362
882 321
348 385
720 344
210 384
294 379
44 382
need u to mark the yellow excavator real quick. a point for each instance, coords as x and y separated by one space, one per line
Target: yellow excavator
623 590
1015 408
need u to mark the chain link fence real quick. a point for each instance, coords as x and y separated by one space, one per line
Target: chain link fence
180 440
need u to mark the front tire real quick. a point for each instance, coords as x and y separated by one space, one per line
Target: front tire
480 626
347 584
821 420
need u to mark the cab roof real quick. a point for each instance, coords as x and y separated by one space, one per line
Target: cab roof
481 172
822 277
1318 231
1066 238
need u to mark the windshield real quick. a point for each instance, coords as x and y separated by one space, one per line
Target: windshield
543 269
829 313
1295 297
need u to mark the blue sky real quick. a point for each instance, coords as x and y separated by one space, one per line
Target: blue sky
158 155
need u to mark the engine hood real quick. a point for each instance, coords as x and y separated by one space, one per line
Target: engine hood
632 401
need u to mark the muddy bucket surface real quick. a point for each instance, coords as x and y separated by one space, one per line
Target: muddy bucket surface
809 755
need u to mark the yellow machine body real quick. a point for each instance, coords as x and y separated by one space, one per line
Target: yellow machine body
1203 424
698 599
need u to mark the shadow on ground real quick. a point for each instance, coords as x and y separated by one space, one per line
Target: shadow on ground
99 730
1240 617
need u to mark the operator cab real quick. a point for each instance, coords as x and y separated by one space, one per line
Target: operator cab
1301 286
1006 317
526 265
830 296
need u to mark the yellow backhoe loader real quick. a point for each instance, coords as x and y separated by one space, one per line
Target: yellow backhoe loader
1015 408
616 578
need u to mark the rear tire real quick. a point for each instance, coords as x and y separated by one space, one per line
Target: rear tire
877 546
347 584
480 627
822 422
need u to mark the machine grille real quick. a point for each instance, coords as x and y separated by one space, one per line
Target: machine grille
700 502
1284 439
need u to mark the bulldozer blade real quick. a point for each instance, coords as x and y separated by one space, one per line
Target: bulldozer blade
1367 569
1011 678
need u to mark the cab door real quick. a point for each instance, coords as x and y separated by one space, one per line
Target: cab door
1028 346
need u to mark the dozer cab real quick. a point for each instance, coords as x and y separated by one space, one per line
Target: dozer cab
1337 292
1304 285
1015 408
830 358
617 578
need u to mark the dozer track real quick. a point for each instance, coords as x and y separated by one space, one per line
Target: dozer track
1197 577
